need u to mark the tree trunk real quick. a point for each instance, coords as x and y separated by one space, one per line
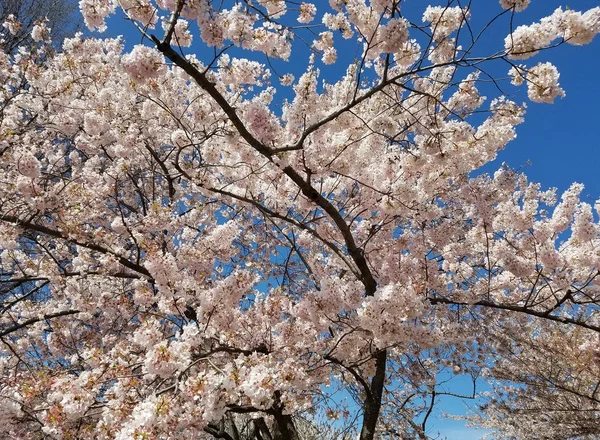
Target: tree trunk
373 402
284 425
261 429
285 428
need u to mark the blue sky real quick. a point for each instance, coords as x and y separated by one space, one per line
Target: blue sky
558 144
561 140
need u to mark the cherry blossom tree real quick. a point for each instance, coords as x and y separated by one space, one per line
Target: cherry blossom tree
185 255
544 384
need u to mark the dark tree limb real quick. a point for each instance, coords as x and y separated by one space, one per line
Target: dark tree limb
30 321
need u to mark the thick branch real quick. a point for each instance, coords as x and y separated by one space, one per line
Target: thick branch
210 88
23 297
372 406
30 321
520 309
217 432
57 234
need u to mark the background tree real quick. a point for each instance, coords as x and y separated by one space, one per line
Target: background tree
200 263
544 379
61 16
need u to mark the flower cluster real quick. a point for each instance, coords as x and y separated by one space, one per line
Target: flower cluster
11 24
574 27
307 12
144 63
445 20
517 5
542 83
181 32
40 32
95 13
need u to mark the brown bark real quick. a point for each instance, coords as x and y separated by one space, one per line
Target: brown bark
372 405
284 425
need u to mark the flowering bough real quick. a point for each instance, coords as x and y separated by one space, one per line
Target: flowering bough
181 259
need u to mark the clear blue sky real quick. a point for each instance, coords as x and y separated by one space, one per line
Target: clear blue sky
560 141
